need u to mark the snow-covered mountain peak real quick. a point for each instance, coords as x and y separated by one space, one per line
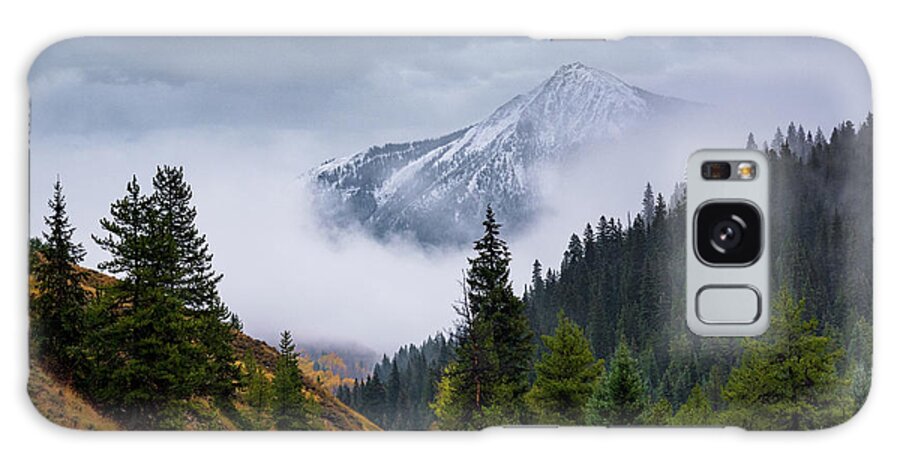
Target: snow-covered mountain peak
578 72
436 189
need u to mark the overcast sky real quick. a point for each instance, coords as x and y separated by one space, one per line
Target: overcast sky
247 116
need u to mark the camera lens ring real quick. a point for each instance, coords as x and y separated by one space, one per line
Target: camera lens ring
742 244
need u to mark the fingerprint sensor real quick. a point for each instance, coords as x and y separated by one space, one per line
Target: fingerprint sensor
728 304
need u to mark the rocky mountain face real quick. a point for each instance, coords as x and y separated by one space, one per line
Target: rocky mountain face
435 191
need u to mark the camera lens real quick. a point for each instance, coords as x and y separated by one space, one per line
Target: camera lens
728 233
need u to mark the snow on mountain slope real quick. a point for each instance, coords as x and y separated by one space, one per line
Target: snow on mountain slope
435 190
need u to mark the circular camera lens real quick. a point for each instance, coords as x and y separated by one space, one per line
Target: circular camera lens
726 235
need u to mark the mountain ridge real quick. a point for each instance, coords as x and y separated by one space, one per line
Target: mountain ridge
431 188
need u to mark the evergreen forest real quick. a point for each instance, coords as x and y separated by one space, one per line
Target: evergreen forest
598 338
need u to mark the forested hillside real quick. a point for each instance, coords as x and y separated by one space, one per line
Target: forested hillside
397 394
605 340
62 404
156 348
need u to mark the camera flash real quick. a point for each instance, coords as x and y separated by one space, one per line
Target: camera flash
746 170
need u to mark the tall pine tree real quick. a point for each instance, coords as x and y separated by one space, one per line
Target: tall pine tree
492 298
489 379
58 307
193 281
171 332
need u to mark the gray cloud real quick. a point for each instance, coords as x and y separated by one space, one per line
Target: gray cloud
404 87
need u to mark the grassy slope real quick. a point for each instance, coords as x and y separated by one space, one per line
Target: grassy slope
62 405
335 414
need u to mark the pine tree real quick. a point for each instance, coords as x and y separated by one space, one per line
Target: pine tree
374 397
778 140
193 281
566 375
574 282
393 394
171 331
634 288
466 385
678 377
534 304
257 393
487 382
793 139
537 278
492 299
258 390
58 307
589 240
697 410
153 362
128 239
751 143
787 379
574 254
190 271
290 407
858 363
647 205
356 400
621 397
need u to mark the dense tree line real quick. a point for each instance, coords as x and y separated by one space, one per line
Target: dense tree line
148 346
624 284
396 395
606 338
